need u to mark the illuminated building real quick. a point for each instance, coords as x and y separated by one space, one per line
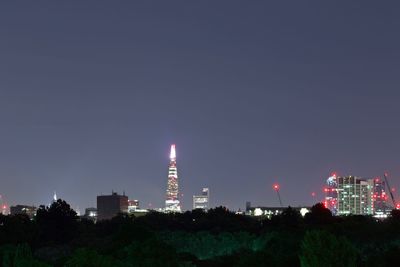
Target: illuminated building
133 205
90 214
355 196
381 206
380 196
202 201
109 206
358 196
23 209
331 194
172 203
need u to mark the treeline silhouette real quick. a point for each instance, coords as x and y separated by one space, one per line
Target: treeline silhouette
57 237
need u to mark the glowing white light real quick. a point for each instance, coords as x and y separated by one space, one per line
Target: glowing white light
258 212
172 155
304 211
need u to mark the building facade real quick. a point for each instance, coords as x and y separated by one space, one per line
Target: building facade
90 214
109 206
172 203
202 201
23 209
133 205
355 196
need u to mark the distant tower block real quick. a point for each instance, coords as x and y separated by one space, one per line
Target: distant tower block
202 201
172 203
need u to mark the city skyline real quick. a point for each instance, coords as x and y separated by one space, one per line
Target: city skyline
173 194
92 94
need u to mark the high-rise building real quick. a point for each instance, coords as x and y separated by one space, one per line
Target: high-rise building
358 196
202 201
355 196
331 194
109 206
172 203
380 196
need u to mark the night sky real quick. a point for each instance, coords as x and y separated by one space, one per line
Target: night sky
92 94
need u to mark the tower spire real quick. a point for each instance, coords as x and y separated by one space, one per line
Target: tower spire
172 203
172 155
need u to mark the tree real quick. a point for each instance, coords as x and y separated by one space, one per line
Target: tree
395 215
57 223
319 215
150 253
90 258
320 248
16 229
19 256
289 217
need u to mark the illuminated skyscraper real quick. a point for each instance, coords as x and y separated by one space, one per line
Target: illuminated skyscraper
355 196
202 201
172 203
331 194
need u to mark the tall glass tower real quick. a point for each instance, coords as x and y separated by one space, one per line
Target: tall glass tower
172 203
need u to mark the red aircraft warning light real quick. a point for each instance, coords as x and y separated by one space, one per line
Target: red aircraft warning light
276 187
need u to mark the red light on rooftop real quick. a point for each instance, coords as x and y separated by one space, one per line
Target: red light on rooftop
275 187
313 194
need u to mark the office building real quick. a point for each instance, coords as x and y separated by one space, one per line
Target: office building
23 209
355 196
381 205
331 196
109 206
133 205
90 214
202 201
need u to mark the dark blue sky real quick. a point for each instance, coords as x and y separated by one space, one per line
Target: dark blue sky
92 93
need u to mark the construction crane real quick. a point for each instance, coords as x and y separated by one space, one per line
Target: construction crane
276 187
390 189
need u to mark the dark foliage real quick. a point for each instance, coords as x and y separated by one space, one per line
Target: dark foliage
57 224
319 215
57 237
